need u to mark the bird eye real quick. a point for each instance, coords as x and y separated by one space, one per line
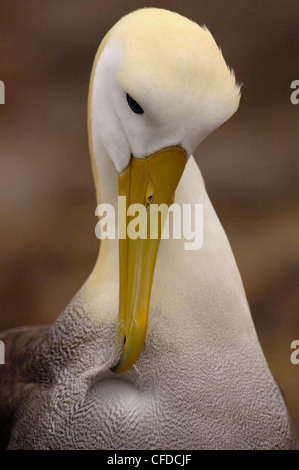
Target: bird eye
136 108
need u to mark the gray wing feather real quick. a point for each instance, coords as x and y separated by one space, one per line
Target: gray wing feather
15 381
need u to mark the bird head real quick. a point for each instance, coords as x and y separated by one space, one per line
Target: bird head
159 86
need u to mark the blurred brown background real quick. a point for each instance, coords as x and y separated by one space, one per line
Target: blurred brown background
250 165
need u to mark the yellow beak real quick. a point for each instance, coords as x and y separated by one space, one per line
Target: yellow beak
148 181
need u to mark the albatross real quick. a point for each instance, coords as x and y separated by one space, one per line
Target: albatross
158 349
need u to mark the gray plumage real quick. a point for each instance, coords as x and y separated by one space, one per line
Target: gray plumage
57 393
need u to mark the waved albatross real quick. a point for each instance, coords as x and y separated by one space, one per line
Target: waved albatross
158 349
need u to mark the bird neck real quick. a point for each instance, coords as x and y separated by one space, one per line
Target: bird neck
180 273
187 194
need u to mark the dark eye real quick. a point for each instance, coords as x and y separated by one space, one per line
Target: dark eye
136 108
